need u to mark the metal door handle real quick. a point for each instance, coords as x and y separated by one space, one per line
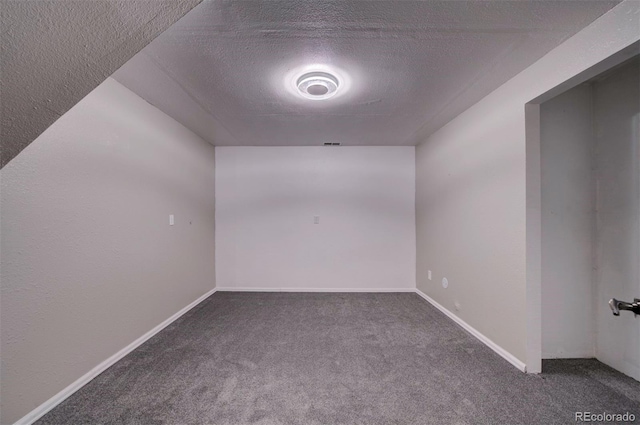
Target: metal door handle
616 306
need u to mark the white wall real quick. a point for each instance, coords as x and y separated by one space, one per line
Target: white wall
89 262
471 205
568 225
617 130
266 200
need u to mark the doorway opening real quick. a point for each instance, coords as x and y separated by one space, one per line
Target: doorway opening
583 231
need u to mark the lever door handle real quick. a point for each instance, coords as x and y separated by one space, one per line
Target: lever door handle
617 305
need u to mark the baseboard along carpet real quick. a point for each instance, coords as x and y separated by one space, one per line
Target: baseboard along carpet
329 359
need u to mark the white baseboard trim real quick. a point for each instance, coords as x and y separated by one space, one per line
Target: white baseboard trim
369 290
45 407
569 355
489 343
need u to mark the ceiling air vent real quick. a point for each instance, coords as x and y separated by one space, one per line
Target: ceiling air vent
332 143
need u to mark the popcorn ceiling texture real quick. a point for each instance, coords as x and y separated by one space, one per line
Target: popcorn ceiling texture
412 65
418 63
55 52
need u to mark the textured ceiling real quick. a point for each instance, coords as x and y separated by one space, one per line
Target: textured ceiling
54 52
413 65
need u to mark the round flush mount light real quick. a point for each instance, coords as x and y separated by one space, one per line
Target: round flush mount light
314 81
317 85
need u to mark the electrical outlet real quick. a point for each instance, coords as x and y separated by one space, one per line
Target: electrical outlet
316 219
429 274
171 220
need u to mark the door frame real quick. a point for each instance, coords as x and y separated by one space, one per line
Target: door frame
534 201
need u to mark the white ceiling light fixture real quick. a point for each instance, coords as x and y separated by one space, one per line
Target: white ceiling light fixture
317 85
315 81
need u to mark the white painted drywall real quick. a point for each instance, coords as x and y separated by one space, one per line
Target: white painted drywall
617 129
568 214
89 261
471 188
266 200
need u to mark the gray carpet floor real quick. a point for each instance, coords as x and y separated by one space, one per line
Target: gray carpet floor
309 358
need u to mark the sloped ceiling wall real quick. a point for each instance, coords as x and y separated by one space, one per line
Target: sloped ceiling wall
55 52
